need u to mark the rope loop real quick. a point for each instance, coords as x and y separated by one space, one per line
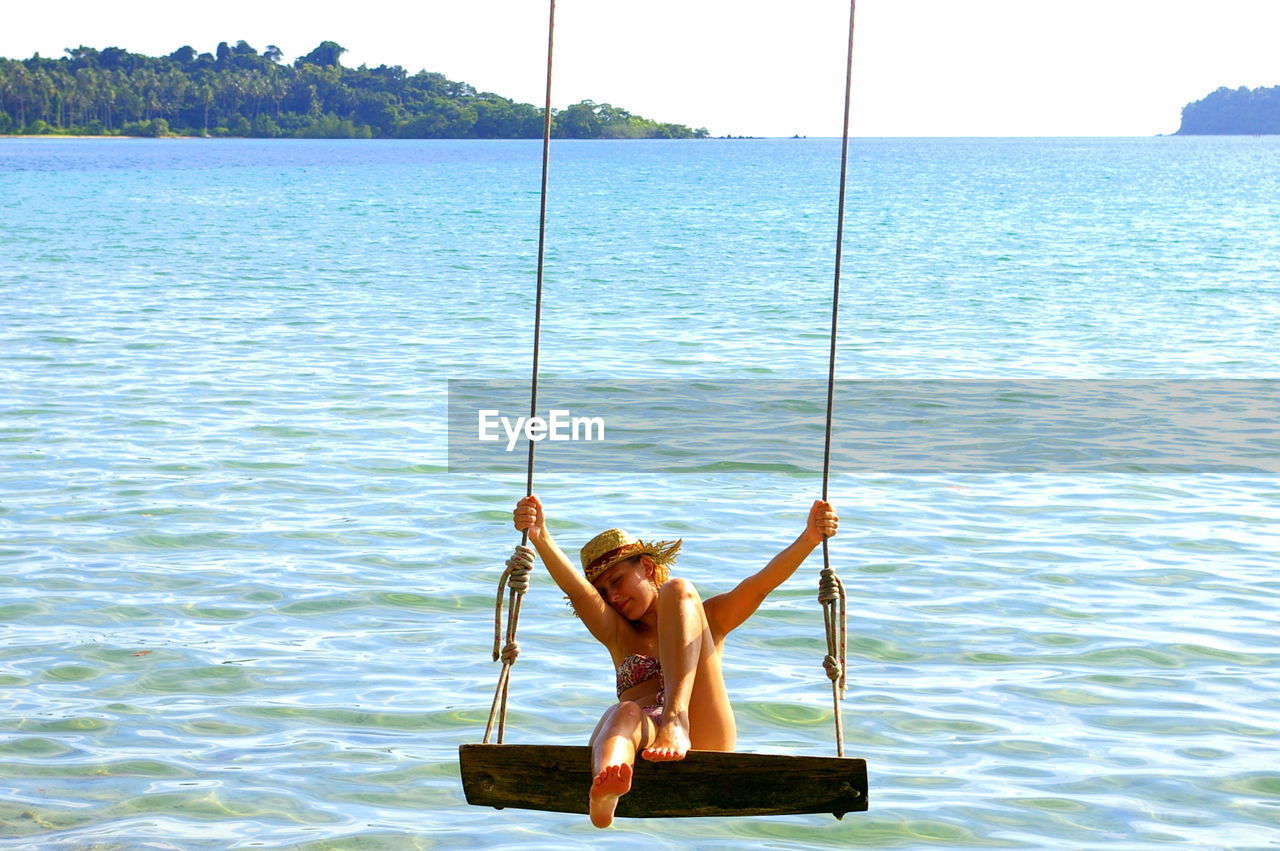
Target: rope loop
832 596
515 577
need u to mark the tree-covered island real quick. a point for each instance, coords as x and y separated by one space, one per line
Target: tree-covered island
1241 111
237 91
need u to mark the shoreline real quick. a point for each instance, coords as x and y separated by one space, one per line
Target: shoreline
180 137
75 136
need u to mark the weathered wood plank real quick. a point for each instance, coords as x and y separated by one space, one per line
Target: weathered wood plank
705 783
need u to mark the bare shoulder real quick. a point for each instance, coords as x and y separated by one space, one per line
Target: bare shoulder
605 625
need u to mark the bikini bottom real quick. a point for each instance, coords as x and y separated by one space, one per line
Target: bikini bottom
655 711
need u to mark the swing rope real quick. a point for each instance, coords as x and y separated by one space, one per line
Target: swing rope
516 577
830 588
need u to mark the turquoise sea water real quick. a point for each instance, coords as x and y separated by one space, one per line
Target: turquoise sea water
243 604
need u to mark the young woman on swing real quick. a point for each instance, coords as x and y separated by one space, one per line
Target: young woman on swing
666 642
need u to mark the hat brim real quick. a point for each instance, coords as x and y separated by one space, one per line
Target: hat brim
663 552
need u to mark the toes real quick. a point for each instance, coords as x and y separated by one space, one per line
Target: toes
612 780
662 754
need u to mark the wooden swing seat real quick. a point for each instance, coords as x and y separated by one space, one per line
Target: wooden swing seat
705 783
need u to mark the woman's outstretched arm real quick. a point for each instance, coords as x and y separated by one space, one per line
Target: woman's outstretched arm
600 618
725 612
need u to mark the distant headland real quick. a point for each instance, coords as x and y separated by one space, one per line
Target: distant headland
237 91
1241 111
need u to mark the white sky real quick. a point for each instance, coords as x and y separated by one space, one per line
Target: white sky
921 67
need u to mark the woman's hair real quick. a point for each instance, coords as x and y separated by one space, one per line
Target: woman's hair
661 573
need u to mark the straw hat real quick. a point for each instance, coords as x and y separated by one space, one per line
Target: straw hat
614 545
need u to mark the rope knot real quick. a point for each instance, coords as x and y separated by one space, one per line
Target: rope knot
829 589
518 568
832 667
510 652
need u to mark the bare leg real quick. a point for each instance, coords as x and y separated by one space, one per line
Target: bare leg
619 734
684 643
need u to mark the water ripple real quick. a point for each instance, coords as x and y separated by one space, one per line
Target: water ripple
244 603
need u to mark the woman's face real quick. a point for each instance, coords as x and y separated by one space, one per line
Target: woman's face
628 587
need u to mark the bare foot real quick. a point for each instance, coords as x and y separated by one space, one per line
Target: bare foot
671 742
612 782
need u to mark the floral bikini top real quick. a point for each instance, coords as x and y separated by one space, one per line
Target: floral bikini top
636 669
